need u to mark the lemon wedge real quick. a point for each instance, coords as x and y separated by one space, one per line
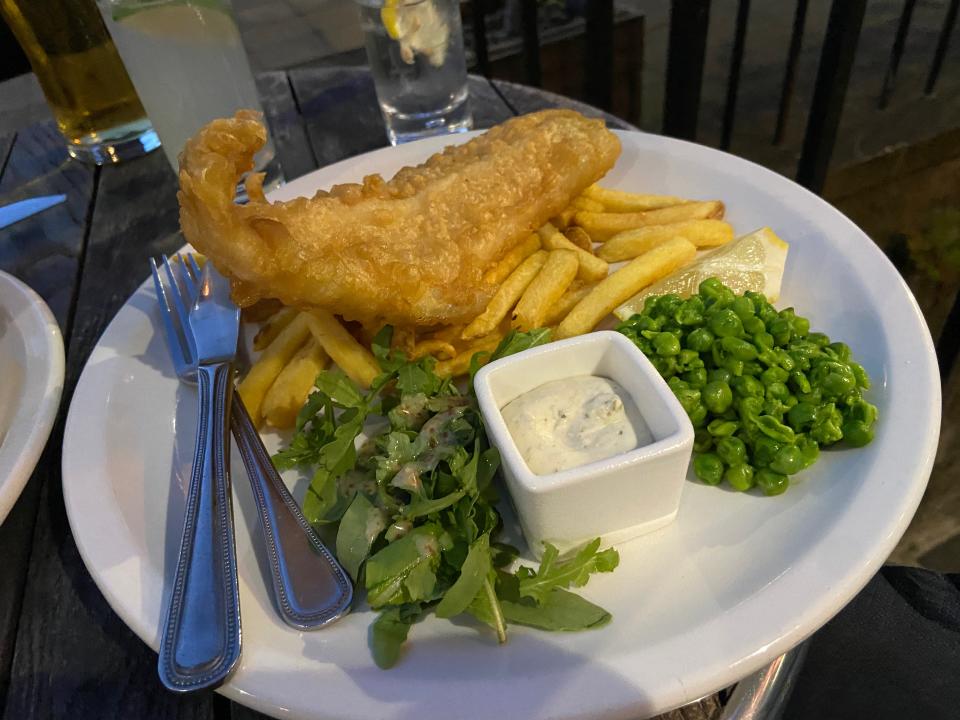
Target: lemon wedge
752 262
389 17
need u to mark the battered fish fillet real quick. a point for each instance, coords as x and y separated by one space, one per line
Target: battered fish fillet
411 251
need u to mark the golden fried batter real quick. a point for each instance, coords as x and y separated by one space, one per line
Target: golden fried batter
411 251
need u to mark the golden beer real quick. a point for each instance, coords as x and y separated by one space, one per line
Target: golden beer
82 77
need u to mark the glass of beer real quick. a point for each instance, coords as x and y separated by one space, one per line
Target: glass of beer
82 77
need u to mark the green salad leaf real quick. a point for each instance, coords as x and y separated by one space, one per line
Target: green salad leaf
414 504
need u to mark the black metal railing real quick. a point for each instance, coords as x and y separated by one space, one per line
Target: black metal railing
686 55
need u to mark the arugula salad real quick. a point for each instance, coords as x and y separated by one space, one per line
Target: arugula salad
413 508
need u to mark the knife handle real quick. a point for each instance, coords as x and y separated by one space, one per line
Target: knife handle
200 645
310 587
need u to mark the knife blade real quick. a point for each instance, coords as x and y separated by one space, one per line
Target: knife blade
15 212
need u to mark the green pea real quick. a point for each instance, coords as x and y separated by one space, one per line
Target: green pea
690 312
739 476
717 396
777 391
834 378
722 428
774 374
857 433
784 359
710 287
668 304
841 350
773 428
719 375
772 483
731 450
827 428
864 412
863 380
763 340
689 398
753 368
666 366
801 326
809 450
696 378
740 349
789 461
753 324
666 344
725 323
781 331
802 415
689 359
700 340
743 308
702 440
699 416
775 408
709 468
765 449
734 365
748 386
799 381
819 339
748 410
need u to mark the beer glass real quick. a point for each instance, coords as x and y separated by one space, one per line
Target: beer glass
82 77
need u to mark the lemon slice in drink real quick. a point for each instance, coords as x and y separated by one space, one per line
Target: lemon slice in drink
752 262
389 17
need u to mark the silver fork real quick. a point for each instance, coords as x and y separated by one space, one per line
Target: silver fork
200 642
310 588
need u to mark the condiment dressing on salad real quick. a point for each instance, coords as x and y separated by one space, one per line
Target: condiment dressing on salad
567 423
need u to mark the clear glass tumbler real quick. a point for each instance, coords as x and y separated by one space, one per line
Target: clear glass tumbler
188 63
415 50
82 77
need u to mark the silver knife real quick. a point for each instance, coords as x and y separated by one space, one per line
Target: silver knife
15 212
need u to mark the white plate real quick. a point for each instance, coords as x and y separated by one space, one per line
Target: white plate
734 582
31 368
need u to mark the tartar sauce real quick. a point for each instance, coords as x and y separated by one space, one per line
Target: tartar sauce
571 422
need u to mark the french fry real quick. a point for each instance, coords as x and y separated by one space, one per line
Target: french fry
433 347
630 243
574 294
506 297
624 283
620 201
603 226
349 355
579 237
550 283
265 370
591 267
289 391
268 333
509 262
583 203
563 220
461 363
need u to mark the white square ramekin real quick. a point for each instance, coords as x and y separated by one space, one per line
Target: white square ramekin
618 498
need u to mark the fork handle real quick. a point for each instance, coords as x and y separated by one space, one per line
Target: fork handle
200 644
310 587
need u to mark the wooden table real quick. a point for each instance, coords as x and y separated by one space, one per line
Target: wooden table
63 652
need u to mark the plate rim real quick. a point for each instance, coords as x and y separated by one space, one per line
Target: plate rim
685 689
31 425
